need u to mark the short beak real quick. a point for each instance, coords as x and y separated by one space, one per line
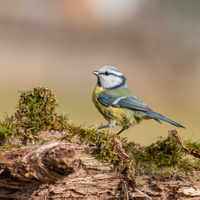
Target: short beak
95 73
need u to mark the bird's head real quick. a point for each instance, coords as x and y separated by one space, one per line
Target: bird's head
110 78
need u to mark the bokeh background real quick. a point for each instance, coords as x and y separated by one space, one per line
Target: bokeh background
57 44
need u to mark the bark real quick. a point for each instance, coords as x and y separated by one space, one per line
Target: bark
60 170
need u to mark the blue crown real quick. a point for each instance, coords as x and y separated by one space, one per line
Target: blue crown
112 68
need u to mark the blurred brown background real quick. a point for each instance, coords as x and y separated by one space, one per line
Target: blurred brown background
57 44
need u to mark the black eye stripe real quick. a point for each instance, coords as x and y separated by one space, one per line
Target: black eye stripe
109 73
105 73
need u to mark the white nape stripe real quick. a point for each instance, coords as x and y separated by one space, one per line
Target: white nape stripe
115 72
117 100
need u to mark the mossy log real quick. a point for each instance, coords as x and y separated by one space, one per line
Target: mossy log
60 170
87 168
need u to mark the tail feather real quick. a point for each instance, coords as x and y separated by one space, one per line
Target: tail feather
158 117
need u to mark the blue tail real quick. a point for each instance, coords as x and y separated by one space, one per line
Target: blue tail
158 117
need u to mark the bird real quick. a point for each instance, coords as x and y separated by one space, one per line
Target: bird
118 104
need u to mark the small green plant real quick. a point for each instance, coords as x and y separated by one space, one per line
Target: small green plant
35 113
8 146
164 152
189 144
6 129
165 157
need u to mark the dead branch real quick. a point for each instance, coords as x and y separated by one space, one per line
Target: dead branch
175 134
120 151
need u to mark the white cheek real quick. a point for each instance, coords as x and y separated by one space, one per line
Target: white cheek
110 81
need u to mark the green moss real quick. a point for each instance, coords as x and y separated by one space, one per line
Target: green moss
9 146
35 113
166 152
192 145
6 129
166 158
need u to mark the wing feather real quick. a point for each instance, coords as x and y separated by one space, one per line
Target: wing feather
130 101
111 98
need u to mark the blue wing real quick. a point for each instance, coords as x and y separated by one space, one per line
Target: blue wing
116 99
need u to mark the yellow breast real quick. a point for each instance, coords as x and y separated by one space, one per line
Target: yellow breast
122 116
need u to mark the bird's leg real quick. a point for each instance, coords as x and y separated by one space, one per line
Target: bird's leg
107 126
122 130
101 128
110 125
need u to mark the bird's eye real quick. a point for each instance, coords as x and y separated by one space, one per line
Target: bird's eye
106 73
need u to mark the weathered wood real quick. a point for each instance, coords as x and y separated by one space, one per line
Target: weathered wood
120 151
61 170
45 164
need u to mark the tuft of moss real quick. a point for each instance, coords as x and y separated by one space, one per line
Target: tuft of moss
8 146
35 113
189 144
164 152
6 128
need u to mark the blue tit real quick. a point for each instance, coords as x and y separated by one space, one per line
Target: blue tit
118 104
